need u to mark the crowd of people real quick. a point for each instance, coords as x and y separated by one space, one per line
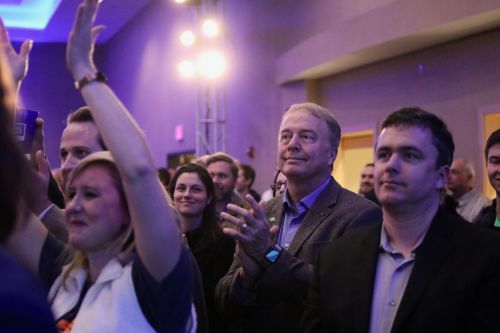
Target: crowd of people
133 249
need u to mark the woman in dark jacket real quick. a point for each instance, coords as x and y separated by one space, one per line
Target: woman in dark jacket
193 194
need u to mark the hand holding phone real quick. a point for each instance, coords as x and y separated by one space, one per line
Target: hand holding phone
25 128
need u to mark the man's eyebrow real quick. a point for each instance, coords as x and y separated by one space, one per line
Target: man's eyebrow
378 147
409 147
398 148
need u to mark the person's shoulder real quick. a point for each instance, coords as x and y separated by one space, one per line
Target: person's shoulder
473 235
352 199
353 239
22 299
13 272
479 197
487 215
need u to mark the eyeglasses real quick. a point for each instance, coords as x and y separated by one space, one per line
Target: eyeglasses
276 186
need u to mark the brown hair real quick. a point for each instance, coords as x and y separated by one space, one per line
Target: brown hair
83 115
223 157
210 229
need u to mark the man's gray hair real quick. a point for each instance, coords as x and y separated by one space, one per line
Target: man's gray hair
469 167
322 114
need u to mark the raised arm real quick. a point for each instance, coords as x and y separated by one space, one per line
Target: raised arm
18 62
156 235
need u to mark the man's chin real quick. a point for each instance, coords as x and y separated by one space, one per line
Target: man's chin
390 202
223 196
293 170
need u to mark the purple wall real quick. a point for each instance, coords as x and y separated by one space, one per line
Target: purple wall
455 79
49 89
140 62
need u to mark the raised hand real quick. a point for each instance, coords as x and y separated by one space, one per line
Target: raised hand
18 62
41 200
81 42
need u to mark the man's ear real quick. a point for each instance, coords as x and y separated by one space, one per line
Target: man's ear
442 179
333 156
470 179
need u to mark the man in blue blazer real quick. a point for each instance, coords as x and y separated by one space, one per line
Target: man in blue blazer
277 245
422 270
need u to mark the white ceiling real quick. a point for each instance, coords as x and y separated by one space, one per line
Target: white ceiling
114 14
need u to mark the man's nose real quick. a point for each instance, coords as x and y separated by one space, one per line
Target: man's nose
294 143
393 162
73 205
68 164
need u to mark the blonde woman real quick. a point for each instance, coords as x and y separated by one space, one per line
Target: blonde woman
128 270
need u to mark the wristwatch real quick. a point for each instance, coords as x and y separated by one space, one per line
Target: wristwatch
98 76
272 254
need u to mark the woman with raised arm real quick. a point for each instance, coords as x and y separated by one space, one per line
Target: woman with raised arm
129 271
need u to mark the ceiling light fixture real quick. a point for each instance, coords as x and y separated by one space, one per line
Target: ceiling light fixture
28 14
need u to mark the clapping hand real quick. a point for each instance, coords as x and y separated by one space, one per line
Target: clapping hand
255 234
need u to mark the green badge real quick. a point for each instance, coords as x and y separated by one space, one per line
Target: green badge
497 223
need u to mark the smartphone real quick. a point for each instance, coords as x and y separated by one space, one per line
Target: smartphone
25 128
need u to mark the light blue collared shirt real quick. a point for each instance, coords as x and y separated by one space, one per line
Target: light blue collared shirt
294 214
393 273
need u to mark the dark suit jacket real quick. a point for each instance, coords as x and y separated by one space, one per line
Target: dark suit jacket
214 257
454 285
487 216
275 305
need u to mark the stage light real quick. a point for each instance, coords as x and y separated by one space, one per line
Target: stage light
211 64
187 38
210 28
187 2
186 69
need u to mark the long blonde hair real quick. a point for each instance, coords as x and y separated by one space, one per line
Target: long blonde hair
123 247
